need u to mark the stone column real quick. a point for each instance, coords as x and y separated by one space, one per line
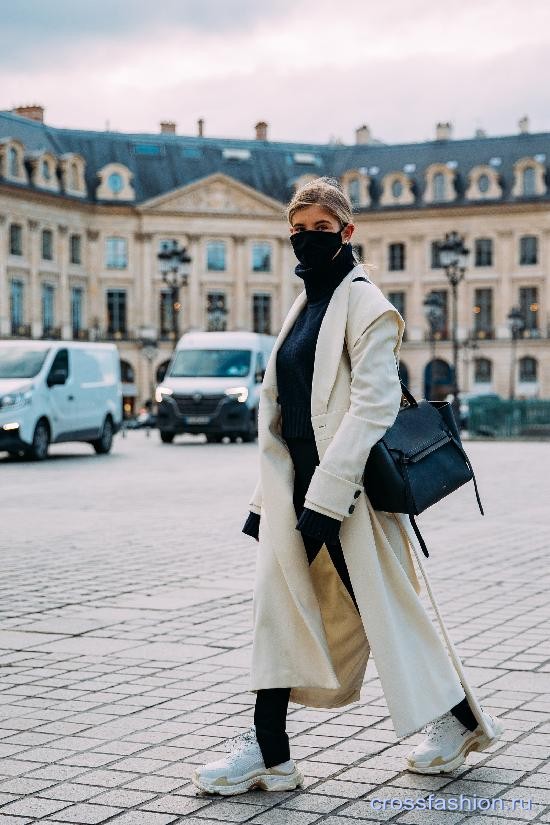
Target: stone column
35 303
94 308
193 293
5 321
64 303
415 323
149 315
504 296
240 295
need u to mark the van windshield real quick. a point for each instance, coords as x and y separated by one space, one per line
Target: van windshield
21 362
210 363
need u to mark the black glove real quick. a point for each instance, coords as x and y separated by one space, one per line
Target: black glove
318 526
252 525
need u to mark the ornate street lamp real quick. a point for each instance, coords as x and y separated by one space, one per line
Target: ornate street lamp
453 257
516 326
174 264
433 312
216 312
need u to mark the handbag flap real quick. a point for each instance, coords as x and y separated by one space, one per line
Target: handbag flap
415 429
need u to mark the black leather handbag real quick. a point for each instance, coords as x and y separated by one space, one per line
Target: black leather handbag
419 461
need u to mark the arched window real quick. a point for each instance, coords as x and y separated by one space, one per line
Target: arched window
46 170
354 191
74 178
529 182
438 185
528 369
126 372
13 162
397 188
483 371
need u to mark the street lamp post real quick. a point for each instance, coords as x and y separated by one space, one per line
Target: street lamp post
433 311
174 264
516 326
216 312
453 257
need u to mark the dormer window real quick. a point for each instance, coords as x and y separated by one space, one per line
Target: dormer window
439 186
44 170
483 183
11 160
115 183
396 190
529 178
72 174
13 163
356 184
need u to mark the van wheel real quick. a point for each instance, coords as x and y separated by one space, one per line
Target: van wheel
166 437
103 444
38 450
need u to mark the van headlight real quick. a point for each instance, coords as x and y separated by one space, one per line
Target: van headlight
16 399
161 392
240 393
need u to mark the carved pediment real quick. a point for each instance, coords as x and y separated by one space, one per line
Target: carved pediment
215 194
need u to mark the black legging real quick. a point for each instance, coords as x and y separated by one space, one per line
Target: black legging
272 703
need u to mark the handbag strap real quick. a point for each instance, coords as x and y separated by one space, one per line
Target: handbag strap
459 446
418 535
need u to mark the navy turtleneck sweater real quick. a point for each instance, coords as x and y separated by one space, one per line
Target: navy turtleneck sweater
295 361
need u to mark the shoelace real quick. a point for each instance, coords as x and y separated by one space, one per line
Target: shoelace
242 741
434 728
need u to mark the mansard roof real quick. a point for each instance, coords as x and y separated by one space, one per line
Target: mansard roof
161 163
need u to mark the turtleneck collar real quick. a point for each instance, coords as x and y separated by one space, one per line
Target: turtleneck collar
320 283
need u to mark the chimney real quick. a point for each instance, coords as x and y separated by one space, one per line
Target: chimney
261 130
200 126
362 134
443 131
523 124
167 127
34 112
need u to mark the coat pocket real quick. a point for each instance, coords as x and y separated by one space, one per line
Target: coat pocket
326 424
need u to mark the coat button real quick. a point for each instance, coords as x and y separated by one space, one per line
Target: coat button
357 493
351 508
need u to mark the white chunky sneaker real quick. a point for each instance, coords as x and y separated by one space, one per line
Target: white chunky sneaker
243 769
448 742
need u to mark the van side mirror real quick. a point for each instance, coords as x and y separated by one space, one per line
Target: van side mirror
259 376
56 377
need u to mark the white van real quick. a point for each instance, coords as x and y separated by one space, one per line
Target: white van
52 391
212 385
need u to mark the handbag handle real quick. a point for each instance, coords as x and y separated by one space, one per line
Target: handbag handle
408 395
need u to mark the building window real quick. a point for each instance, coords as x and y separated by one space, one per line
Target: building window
398 299
528 250
483 371
74 178
354 191
483 183
529 182
47 245
16 239
216 312
75 249
528 369
261 313
13 163
116 253
438 186
116 312
76 310
16 305
443 332
483 252
436 259
215 256
166 308
46 170
529 307
396 257
48 309
397 188
261 257
483 313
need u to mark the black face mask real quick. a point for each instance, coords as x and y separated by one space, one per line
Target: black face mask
315 249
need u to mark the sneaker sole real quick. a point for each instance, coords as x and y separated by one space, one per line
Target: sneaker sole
479 743
264 782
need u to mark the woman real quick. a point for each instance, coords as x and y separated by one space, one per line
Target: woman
334 578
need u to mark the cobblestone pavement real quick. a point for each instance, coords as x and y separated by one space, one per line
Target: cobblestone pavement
125 640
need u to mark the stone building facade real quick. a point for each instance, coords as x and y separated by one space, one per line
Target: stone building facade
83 216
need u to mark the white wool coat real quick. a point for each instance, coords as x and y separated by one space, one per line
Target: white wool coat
307 633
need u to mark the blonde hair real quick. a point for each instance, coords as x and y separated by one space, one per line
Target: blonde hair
328 193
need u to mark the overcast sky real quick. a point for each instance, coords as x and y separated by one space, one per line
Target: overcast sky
313 69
